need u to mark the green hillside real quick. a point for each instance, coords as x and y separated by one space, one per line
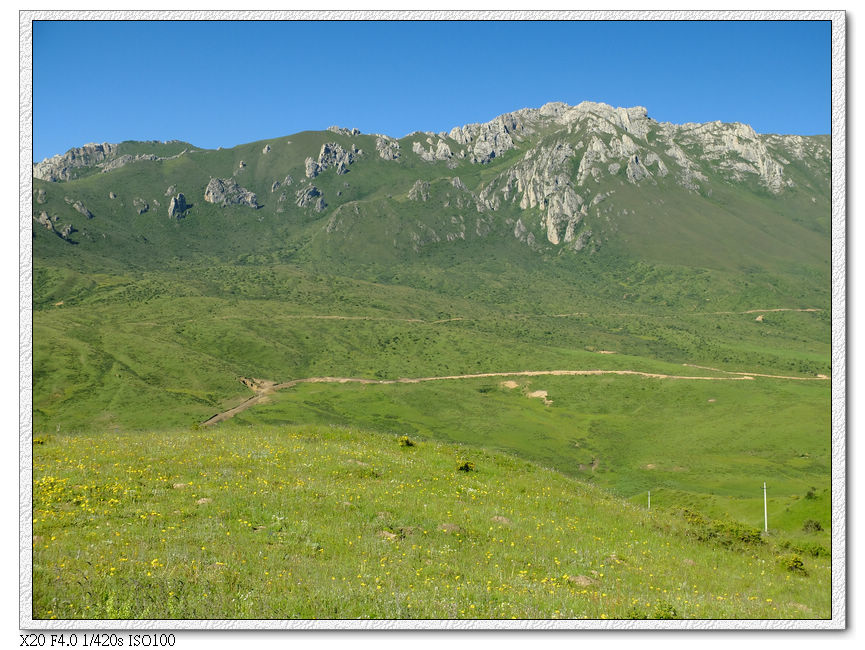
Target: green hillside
635 305
335 523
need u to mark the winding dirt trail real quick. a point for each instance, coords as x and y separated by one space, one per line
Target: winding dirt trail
424 321
757 374
264 388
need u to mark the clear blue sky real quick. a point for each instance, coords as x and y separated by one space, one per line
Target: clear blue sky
225 83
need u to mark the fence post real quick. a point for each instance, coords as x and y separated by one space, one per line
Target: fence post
765 510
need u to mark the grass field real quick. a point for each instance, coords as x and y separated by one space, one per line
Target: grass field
309 522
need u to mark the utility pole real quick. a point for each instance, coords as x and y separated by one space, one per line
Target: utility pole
765 510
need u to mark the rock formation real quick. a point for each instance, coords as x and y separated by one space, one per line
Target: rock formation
332 155
140 205
419 191
49 223
541 180
437 150
226 191
310 195
79 207
43 219
62 167
387 147
343 131
177 206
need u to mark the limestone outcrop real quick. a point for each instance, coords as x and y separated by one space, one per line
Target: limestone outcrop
332 155
79 207
310 195
438 150
343 131
63 167
226 191
140 205
541 180
177 206
50 223
419 191
387 147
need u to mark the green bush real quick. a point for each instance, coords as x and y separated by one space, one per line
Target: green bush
465 466
405 441
809 548
811 526
665 610
794 564
723 532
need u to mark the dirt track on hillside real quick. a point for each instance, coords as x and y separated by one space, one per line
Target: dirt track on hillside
394 319
264 388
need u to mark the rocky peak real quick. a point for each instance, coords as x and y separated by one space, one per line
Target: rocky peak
733 149
343 131
62 166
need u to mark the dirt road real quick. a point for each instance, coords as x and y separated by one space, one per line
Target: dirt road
263 388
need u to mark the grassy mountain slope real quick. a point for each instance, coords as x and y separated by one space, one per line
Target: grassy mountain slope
336 523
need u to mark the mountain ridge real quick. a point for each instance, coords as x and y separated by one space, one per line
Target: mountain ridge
556 179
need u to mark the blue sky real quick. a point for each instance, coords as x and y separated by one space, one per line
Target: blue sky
225 83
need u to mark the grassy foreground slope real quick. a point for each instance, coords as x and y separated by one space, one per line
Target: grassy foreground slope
706 445
291 522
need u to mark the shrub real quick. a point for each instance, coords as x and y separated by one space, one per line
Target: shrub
465 466
723 532
405 441
733 531
809 548
794 564
665 611
811 526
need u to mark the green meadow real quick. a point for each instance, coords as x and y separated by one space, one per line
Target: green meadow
705 314
290 522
